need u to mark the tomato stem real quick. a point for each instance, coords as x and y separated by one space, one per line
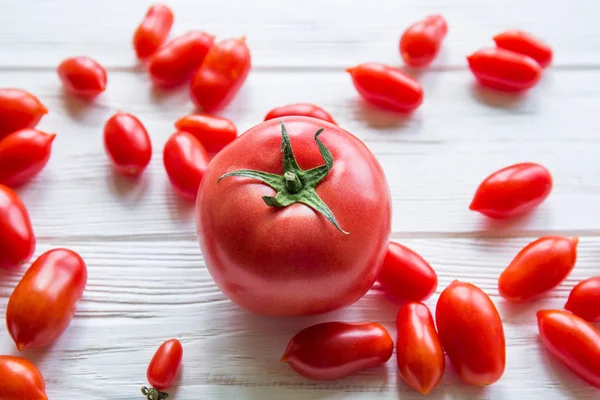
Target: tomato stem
154 394
295 185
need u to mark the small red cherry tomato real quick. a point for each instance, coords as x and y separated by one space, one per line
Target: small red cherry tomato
83 76
17 240
127 144
504 70
387 87
472 334
23 155
333 350
163 368
421 359
19 110
420 43
539 267
512 191
573 341
405 275
176 62
221 75
152 32
20 379
185 161
584 299
214 133
305 109
525 43
42 305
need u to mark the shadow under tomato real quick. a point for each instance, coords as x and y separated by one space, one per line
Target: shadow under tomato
160 95
522 313
129 188
496 98
80 108
180 209
502 227
379 118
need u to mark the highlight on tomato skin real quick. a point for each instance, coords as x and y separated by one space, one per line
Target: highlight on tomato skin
23 155
512 191
305 109
584 299
525 43
573 341
538 268
153 30
333 350
83 76
504 70
420 43
19 110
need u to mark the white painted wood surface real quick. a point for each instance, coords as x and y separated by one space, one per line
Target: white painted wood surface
147 281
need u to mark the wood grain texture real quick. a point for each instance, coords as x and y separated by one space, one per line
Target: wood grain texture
147 279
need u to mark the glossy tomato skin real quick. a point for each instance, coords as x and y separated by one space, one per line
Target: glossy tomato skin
19 110
214 133
42 305
82 76
165 363
512 191
504 70
176 62
17 239
20 380
127 144
306 109
221 75
185 161
584 299
420 356
525 43
539 267
23 155
333 350
420 43
573 341
387 87
472 334
152 32
292 261
405 275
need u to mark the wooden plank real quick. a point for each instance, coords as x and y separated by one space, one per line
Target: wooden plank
140 293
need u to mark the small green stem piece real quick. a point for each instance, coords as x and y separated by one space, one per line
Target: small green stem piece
154 394
295 185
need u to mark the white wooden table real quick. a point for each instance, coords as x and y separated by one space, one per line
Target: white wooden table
147 281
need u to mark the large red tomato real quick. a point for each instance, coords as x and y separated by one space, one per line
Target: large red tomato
300 224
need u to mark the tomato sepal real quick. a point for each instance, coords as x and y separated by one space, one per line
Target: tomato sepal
154 394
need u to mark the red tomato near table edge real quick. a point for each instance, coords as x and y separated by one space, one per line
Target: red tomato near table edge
214 133
472 334
420 356
127 144
23 155
333 350
525 43
21 379
185 161
305 109
153 30
17 239
420 43
176 62
573 341
82 76
19 110
539 267
512 191
272 255
405 275
504 70
386 87
584 299
221 75
43 303
163 368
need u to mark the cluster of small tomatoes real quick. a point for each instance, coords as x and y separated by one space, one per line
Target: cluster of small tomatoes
467 326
